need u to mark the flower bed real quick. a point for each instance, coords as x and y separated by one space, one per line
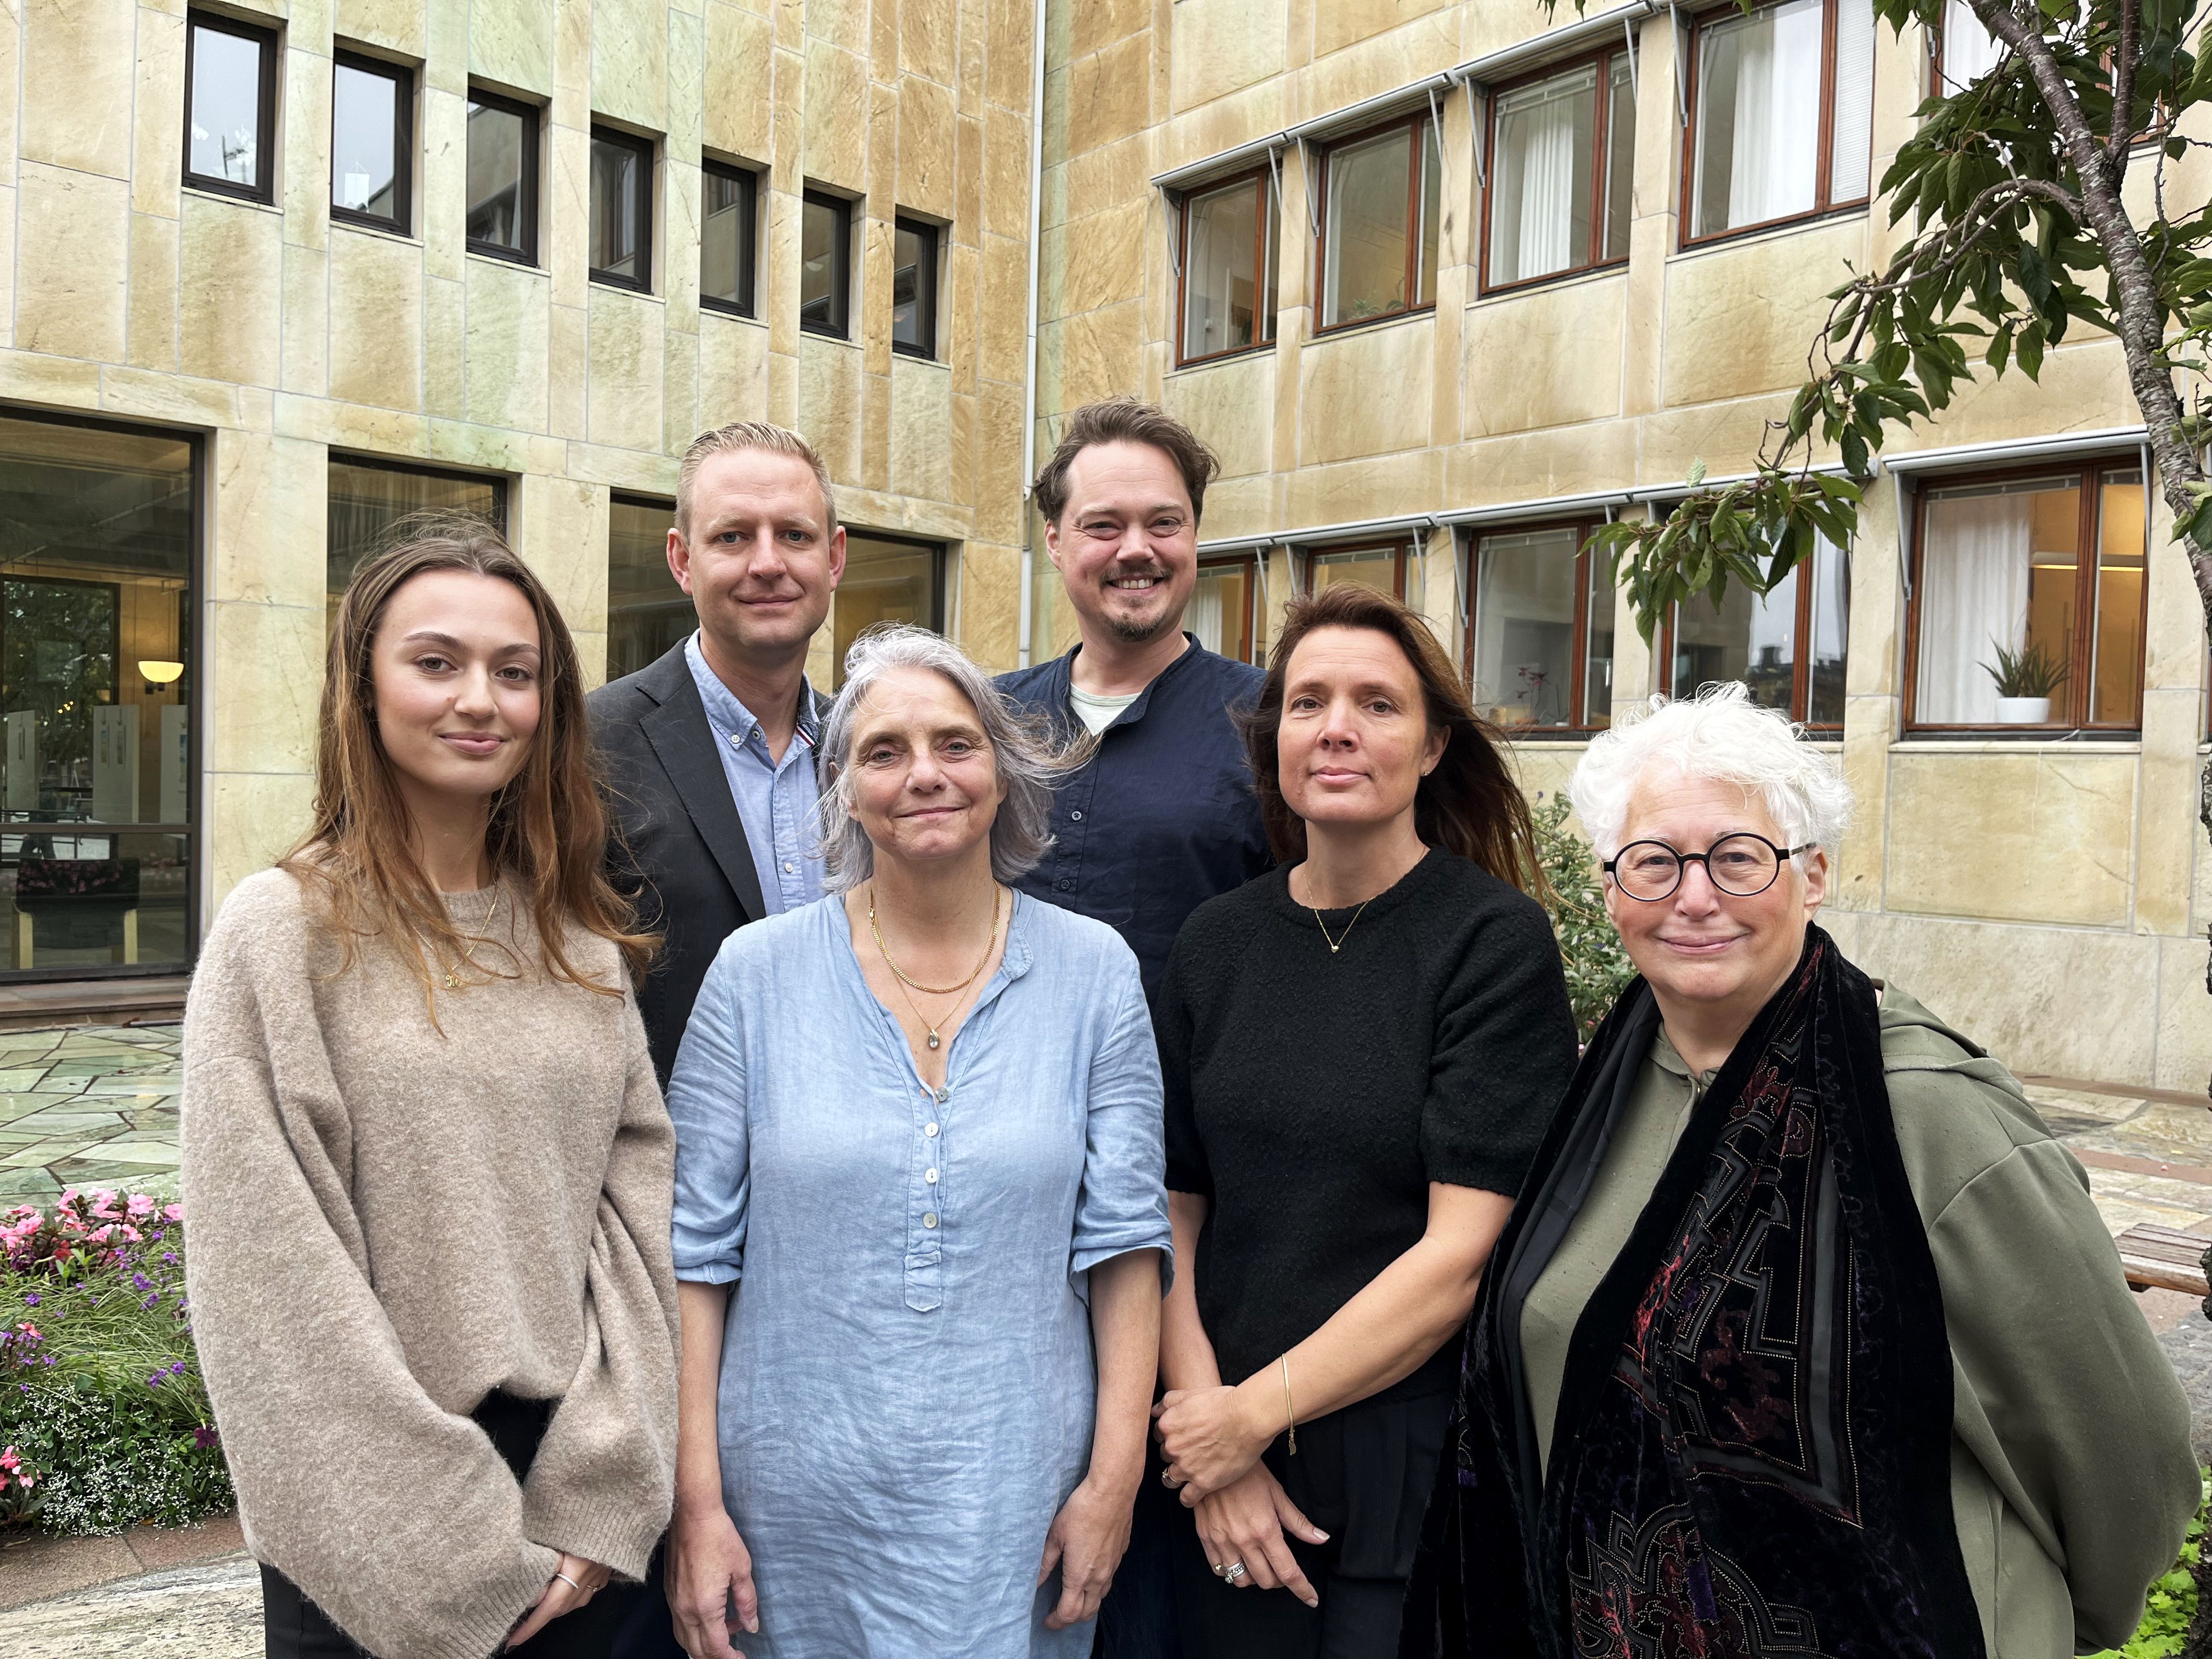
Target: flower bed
103 1421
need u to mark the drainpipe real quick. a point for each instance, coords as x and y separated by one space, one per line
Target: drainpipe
1030 351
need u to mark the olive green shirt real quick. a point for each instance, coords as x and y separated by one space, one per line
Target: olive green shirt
2072 1478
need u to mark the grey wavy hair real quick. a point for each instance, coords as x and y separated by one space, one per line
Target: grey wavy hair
1028 760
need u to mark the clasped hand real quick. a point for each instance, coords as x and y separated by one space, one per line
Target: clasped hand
1209 1437
574 1582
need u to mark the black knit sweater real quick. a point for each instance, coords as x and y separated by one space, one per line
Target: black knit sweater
1312 1097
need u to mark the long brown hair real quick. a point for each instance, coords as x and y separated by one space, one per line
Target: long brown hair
1467 805
549 826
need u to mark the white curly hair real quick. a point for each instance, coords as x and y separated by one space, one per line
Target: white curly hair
1720 734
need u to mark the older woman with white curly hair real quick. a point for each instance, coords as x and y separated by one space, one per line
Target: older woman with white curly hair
1806 1336
919 1136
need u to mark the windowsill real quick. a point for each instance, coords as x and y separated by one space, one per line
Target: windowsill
1722 241
619 285
508 262
1336 330
729 316
1235 354
382 233
913 360
1558 279
806 333
2000 742
254 203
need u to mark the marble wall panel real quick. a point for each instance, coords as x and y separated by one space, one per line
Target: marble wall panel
157 115
1006 54
72 276
738 105
623 397
1108 94
376 312
1105 258
2184 1016
1378 488
507 381
990 592
1231 405
231 289
1367 392
1546 357
266 488
1219 47
511 41
836 143
921 421
829 395
78 72
400 25
445 347
928 38
732 371
629 62
253 818
152 323
1343 75
1740 317
1340 23
926 147
561 526
269 677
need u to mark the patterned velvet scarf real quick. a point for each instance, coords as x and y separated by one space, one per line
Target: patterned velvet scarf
1752 1455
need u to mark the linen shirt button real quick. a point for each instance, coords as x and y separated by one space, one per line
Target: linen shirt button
943 1094
929 1218
930 1175
930 1129
789 868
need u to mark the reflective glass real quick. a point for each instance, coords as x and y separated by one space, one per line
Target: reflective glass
498 139
2116 689
1524 628
884 581
226 109
1851 139
97 687
621 185
1750 637
1744 866
366 503
364 141
1540 205
1757 152
1597 665
1364 268
1832 630
1620 159
1997 578
647 612
1220 610
1367 567
726 239
1220 286
822 256
1969 51
914 289
1432 184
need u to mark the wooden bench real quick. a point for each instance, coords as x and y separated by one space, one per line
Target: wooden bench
2163 1257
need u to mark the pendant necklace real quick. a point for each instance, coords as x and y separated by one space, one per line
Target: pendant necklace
453 973
1337 943
907 986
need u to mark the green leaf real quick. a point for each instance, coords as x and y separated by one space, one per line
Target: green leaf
2029 351
2000 352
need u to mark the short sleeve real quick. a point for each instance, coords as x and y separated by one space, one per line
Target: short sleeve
1124 1206
1187 1169
1504 1054
706 1103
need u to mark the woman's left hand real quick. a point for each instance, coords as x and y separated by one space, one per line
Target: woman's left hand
574 1582
1085 1543
1208 1439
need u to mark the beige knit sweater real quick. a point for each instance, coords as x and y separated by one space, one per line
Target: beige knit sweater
388 1221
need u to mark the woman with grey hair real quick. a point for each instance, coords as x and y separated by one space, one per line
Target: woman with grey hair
920 1122
1806 1336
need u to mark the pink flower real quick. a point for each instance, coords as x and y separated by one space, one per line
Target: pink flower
10 1461
174 1212
140 1205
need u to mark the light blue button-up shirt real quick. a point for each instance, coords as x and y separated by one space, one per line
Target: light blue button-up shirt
907 1383
777 800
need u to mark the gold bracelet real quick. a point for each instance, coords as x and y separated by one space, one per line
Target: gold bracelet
1289 1406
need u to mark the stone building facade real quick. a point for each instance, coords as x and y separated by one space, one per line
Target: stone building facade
1445 284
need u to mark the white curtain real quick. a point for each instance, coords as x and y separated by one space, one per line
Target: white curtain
1973 596
1970 50
1774 148
1536 133
1203 617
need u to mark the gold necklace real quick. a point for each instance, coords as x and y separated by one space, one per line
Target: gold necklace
453 974
1337 943
906 984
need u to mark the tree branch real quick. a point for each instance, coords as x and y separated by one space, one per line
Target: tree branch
2118 141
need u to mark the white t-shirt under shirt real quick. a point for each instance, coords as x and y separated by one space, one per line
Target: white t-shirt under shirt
1097 714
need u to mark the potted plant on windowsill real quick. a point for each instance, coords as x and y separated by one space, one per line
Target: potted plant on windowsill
2025 678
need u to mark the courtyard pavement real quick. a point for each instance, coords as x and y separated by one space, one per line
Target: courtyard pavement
98 1107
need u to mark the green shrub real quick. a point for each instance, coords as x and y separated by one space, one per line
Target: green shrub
1598 969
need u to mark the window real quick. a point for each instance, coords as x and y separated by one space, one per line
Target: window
371 143
1541 634
1224 608
886 579
1787 646
502 205
1382 568
728 228
1563 151
230 107
1965 52
622 210
1230 240
1380 196
914 289
97 688
1781 113
2043 571
367 498
647 614
825 265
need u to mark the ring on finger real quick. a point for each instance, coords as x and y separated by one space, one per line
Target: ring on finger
1169 1480
571 1584
1219 1570
1233 1571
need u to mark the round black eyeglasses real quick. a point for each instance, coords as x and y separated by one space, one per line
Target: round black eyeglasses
1742 866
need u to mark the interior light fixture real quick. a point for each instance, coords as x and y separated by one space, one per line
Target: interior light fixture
159 673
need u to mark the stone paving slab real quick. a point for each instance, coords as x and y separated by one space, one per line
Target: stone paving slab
210 1611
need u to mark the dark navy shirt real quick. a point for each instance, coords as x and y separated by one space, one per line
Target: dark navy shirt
1162 817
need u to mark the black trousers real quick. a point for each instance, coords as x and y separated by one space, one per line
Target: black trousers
294 1627
1363 1475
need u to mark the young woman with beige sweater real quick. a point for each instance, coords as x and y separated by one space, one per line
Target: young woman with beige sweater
426 1165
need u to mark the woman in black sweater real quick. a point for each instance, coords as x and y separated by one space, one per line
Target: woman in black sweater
1361 1050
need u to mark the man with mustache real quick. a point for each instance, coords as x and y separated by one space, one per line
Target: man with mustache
1162 816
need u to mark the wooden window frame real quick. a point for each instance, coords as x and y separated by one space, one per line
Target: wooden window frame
1577 689
1416 125
747 304
1397 550
2089 477
641 229
1263 179
402 220
839 327
1600 140
526 187
925 295
270 42
1248 564
1801 656
1824 170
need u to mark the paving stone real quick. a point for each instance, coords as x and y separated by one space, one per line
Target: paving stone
211 1611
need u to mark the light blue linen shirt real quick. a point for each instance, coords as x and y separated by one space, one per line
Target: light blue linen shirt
907 1383
777 800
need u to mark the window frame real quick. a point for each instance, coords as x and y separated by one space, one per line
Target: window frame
1824 169
1246 565
926 285
1579 731
1398 550
402 221
749 243
270 39
1801 653
1600 155
2089 474
840 274
527 190
1416 122
1262 179
940 565
646 150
